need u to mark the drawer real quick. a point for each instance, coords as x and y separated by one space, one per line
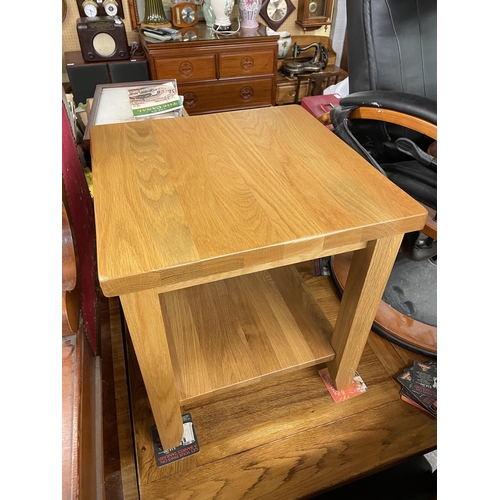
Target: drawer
186 69
285 92
224 96
242 64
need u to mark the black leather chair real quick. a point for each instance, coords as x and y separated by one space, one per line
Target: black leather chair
390 118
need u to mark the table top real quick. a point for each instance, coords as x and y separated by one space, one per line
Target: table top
200 33
201 198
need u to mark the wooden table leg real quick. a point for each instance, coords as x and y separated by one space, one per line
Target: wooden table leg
145 322
370 269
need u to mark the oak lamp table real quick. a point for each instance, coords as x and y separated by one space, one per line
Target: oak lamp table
199 221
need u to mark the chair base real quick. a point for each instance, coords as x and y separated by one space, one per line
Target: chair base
412 333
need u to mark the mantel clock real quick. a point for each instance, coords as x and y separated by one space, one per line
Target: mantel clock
184 14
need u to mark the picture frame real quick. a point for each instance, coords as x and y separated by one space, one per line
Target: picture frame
134 13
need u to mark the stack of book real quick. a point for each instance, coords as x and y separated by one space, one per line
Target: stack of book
155 99
419 386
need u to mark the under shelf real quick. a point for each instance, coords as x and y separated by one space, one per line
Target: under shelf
234 332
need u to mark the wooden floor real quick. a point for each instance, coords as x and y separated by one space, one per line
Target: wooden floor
284 438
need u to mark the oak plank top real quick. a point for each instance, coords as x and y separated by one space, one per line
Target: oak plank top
195 199
253 327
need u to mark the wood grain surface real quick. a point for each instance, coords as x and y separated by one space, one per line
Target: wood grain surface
70 409
145 321
174 200
242 330
389 116
285 438
81 420
385 432
119 468
172 213
366 281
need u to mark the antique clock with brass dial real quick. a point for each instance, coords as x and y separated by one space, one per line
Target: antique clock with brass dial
90 8
184 14
312 14
275 12
100 8
110 7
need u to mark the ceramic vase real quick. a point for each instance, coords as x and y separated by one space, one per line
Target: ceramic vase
154 13
249 11
284 44
222 10
208 13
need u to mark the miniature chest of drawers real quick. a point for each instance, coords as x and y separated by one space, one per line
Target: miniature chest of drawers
215 72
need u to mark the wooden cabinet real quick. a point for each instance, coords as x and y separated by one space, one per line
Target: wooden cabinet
218 74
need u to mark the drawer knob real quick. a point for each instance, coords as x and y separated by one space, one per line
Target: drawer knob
246 93
186 69
190 99
246 63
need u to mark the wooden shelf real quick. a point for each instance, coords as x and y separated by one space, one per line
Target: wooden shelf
267 324
285 438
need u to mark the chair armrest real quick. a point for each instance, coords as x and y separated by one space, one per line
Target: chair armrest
401 102
397 118
407 110
388 116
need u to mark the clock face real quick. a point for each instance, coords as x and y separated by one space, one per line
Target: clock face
275 12
90 8
188 14
110 7
317 8
276 9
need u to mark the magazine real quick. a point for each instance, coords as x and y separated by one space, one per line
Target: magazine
154 99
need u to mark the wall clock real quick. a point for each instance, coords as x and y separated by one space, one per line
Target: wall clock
184 14
275 12
312 14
